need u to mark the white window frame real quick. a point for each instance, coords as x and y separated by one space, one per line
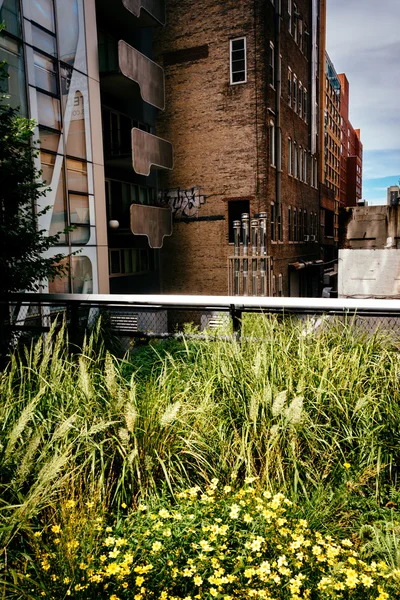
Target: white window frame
305 105
300 163
290 156
272 146
245 60
290 15
272 65
305 173
300 100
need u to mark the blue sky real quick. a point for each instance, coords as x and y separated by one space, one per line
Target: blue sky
363 41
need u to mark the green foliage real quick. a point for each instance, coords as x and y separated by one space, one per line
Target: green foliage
221 543
22 245
314 415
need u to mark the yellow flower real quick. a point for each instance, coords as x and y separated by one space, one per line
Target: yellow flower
164 514
70 503
347 465
37 534
114 597
89 504
247 518
139 581
123 505
156 546
197 580
56 529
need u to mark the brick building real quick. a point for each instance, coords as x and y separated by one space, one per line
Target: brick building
350 152
241 110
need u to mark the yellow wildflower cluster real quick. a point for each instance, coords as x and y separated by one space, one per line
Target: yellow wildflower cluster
216 543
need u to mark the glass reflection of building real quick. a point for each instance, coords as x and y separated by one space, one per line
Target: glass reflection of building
64 67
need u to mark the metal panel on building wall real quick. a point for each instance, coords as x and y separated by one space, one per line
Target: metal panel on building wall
369 273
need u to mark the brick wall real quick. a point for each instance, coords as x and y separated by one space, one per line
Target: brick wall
220 134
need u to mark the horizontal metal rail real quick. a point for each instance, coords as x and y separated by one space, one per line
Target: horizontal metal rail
218 303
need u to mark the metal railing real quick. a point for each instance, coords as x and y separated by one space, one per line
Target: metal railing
26 316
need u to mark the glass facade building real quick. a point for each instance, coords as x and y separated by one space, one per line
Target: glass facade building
64 64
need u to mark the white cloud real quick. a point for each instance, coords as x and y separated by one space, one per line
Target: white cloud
363 42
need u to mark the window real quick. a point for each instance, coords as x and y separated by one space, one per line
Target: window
10 16
295 31
305 179
329 223
42 12
295 92
45 73
290 226
300 163
290 157
315 173
272 155
295 226
305 105
271 66
300 110
290 86
14 86
305 222
44 41
49 112
238 67
301 233
305 40
296 174
236 208
273 223
300 28
312 172
290 16
79 216
130 261
278 211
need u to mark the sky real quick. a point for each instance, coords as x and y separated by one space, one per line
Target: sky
363 41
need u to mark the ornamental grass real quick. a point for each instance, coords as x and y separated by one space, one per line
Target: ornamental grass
313 413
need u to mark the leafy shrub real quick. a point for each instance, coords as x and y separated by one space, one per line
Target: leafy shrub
226 542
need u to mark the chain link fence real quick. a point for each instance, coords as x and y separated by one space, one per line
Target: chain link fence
130 319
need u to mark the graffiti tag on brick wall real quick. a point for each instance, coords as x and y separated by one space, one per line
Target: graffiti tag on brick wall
183 203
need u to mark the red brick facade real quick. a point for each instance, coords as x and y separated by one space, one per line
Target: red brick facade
351 152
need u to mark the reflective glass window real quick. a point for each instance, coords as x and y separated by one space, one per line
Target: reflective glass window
44 41
14 86
49 140
80 235
71 33
10 16
45 73
82 275
48 111
58 216
42 12
79 209
61 285
77 175
76 139
47 162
